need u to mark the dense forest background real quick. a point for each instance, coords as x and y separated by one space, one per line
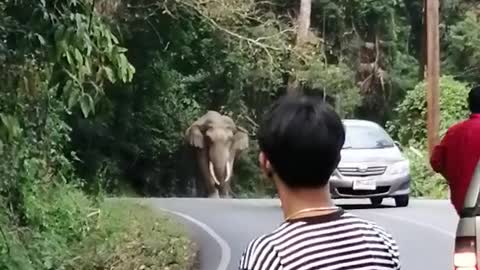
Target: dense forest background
102 91
96 95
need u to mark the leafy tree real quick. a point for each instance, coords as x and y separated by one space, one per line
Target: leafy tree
55 56
410 125
463 53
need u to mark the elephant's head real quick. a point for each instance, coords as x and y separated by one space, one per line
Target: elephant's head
219 141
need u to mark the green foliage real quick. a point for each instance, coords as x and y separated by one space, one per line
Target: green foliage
425 182
46 213
234 57
463 54
409 128
410 125
334 81
96 95
248 181
68 37
190 56
57 218
55 57
107 240
145 240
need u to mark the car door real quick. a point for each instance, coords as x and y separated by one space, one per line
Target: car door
467 241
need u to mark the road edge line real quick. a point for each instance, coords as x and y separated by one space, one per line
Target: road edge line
226 252
420 224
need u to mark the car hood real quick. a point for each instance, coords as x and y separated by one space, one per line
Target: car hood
382 155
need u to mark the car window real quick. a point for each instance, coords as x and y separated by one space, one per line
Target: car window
366 137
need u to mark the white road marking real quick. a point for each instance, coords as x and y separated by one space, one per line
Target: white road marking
226 252
420 224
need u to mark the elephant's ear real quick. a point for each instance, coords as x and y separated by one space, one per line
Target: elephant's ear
194 136
240 139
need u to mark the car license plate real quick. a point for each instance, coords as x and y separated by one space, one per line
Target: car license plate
364 184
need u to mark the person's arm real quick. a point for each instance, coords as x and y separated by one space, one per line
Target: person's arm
437 160
391 245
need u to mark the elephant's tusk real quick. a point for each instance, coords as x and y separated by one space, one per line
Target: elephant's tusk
213 173
229 171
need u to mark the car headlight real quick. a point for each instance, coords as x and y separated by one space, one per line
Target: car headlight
402 167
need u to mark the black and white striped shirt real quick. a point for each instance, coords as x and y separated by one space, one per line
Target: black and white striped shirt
331 242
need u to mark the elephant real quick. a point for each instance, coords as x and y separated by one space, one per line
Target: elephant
217 142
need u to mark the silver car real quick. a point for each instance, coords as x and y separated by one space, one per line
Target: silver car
467 240
372 166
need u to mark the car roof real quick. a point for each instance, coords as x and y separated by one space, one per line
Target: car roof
358 122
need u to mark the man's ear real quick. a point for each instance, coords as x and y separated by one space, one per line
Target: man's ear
265 165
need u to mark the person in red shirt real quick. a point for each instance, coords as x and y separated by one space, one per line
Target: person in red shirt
457 155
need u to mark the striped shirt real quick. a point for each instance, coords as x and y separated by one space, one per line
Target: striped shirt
334 241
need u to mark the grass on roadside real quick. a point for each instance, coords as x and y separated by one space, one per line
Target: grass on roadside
130 236
121 235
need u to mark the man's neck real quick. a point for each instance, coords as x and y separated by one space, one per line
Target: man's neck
300 199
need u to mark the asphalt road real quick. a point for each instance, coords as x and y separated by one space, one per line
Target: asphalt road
222 228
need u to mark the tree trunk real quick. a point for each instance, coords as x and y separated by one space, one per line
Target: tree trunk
423 44
418 26
303 24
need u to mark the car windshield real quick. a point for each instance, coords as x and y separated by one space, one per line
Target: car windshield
366 137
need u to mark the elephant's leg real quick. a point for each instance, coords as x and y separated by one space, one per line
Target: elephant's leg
224 190
206 179
214 194
227 191
212 190
199 187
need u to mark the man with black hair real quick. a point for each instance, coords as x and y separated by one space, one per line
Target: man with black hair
300 141
457 155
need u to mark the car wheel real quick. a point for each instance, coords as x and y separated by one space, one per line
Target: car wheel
402 201
376 201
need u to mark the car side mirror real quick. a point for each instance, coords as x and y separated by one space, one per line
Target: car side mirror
399 145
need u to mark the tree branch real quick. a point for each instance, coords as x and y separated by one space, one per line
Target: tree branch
250 41
4 236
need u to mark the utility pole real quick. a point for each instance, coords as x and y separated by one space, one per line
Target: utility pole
431 11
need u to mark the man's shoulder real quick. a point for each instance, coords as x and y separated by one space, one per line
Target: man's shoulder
467 123
384 233
260 241
346 219
266 243
257 249
264 240
254 250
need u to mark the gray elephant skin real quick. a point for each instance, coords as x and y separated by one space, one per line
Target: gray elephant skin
217 143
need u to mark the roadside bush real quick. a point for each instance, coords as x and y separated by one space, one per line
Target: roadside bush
119 236
409 127
57 218
248 181
48 223
43 212
130 236
425 182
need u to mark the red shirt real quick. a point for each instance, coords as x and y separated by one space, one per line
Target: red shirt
456 157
